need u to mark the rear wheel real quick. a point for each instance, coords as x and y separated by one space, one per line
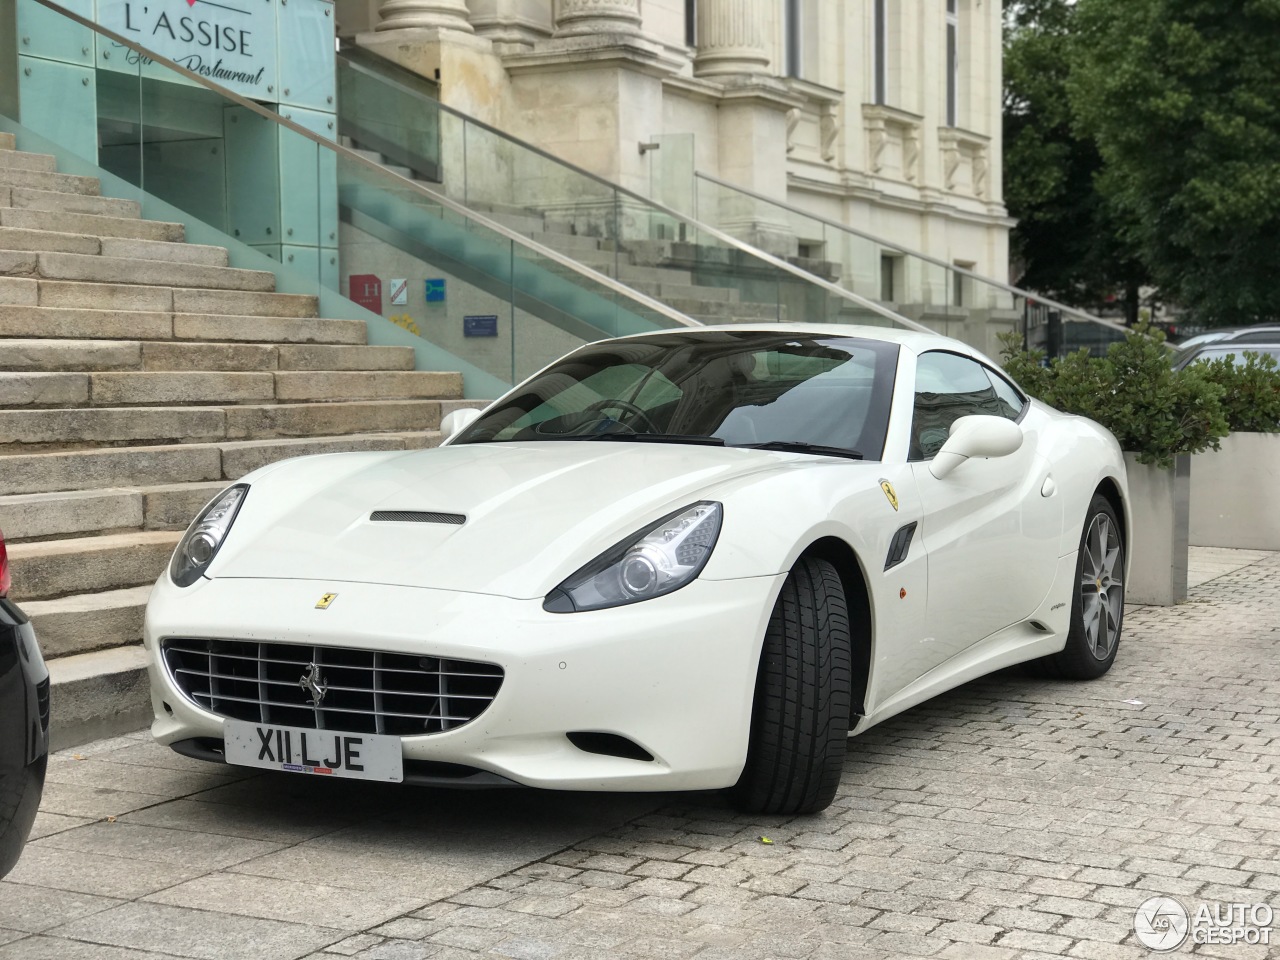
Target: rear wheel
800 719
1097 606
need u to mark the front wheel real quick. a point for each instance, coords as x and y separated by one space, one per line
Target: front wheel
800 719
1097 606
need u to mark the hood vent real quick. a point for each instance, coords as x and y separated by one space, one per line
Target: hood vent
417 516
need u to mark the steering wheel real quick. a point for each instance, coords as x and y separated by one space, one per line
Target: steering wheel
629 407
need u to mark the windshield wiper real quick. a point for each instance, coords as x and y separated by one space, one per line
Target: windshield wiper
644 438
799 446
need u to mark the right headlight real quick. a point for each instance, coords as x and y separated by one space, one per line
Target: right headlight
197 549
657 560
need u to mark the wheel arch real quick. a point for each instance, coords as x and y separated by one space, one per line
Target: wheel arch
1110 489
857 593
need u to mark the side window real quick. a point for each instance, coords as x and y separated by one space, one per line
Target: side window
948 387
1011 402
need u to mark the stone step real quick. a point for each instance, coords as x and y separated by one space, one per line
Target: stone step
260 329
24 291
65 356
8 141
69 355
631 273
43 324
21 238
345 358
380 385
124 467
48 569
131 270
152 388
27 198
34 431
194 254
50 182
724 310
91 225
86 622
97 695
38 162
41 516
227 357
665 291
79 323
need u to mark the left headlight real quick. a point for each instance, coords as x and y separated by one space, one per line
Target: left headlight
657 560
197 549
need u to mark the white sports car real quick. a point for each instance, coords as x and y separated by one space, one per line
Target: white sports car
676 561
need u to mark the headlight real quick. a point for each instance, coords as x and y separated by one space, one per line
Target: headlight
198 548
657 560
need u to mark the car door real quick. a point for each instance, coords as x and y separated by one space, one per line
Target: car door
991 526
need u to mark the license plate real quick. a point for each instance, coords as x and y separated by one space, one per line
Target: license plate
325 753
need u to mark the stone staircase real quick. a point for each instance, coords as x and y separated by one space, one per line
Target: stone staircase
138 376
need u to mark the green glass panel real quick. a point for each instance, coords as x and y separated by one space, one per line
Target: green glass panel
306 54
49 35
58 101
253 171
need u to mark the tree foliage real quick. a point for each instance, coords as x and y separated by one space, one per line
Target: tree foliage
1069 241
1180 97
1154 411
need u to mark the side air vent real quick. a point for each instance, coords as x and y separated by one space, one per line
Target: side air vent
900 545
416 516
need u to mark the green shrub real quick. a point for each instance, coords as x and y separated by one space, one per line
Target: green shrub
1251 392
1154 411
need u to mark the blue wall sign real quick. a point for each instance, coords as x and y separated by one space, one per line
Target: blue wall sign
480 326
435 291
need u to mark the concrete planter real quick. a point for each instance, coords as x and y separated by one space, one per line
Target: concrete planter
1235 494
1160 503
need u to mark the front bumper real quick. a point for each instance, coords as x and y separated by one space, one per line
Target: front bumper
675 675
24 731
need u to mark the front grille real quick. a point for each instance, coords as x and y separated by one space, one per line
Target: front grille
365 691
417 516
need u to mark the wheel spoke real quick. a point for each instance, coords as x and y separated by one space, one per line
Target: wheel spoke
1101 586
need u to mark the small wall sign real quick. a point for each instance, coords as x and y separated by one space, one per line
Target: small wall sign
366 290
399 292
480 326
435 291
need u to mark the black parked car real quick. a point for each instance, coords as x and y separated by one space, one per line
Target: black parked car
24 723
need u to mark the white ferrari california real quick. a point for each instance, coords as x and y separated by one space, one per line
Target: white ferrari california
675 561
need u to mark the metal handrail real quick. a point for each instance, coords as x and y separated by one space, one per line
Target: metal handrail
573 265
1075 312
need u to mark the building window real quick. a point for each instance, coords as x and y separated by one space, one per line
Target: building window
953 63
888 270
691 23
792 34
880 51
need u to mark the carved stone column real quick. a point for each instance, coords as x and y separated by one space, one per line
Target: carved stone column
431 14
579 18
732 38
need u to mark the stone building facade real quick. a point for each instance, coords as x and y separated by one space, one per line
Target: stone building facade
881 114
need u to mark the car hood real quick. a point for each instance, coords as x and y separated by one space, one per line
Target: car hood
535 512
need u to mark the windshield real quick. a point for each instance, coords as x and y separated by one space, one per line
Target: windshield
739 389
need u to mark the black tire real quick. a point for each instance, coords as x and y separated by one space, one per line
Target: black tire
800 718
1080 659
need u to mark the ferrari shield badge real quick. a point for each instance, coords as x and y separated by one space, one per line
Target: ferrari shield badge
887 487
327 599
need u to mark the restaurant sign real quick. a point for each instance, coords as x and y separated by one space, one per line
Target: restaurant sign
232 43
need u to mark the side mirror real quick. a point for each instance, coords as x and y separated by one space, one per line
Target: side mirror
457 421
976 436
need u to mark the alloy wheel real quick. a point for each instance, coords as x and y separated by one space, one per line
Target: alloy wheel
1102 586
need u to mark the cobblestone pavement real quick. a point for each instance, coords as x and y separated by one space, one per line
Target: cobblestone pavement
1011 818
